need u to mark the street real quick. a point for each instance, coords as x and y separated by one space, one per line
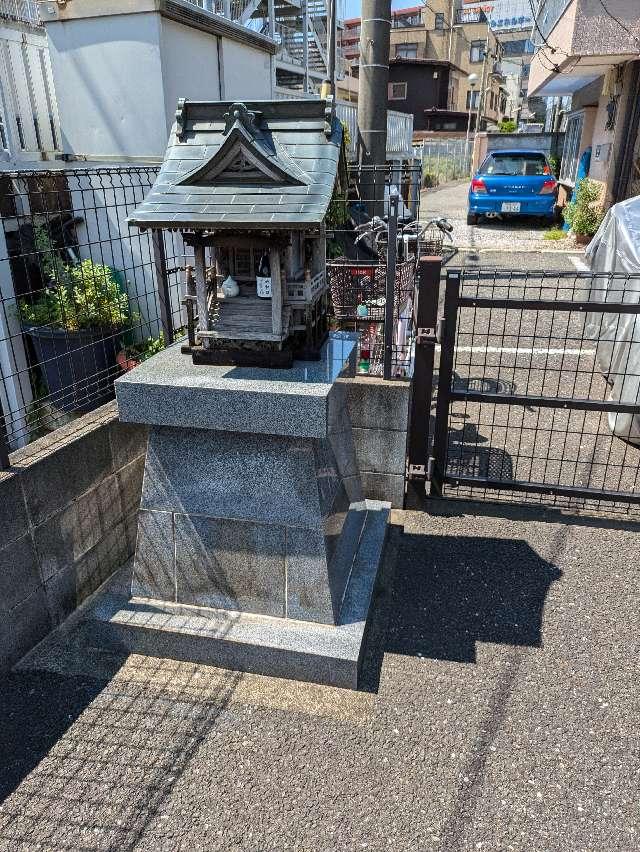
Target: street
496 235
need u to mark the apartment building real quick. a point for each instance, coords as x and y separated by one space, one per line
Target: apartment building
590 51
440 42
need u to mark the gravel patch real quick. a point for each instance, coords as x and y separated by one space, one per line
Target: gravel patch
509 234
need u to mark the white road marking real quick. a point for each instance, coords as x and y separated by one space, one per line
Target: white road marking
514 350
579 264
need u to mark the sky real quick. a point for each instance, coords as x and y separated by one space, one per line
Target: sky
352 7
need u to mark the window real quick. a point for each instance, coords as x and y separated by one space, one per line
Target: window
439 22
514 48
476 51
397 91
570 156
407 51
473 99
515 165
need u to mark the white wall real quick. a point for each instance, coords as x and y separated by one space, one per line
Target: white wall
119 78
108 79
15 388
247 72
189 67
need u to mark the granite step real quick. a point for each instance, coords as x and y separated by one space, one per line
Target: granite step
278 647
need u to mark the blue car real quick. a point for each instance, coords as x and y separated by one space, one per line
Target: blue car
519 183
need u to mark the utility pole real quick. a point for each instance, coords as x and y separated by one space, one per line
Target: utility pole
451 17
481 97
332 35
372 99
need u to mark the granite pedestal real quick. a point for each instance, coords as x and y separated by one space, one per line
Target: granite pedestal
255 550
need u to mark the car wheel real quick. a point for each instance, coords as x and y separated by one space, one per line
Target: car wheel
472 218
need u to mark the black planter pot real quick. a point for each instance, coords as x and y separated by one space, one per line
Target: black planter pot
79 367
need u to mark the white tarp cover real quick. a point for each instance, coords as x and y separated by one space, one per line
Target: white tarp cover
616 249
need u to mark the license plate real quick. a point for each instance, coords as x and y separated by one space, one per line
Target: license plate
510 207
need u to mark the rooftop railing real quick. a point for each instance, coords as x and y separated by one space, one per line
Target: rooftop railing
470 16
20 11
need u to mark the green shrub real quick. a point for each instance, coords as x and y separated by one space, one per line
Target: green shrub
84 296
554 234
584 214
507 125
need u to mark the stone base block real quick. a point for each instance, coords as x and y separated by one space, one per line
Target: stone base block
279 647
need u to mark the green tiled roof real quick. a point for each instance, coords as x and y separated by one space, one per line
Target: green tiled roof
257 165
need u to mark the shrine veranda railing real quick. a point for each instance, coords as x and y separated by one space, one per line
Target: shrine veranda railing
67 225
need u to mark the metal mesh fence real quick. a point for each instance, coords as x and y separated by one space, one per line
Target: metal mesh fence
544 391
444 160
84 297
78 292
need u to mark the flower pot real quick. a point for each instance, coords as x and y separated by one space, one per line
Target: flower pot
79 367
126 362
582 239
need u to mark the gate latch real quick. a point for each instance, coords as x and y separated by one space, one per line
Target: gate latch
429 336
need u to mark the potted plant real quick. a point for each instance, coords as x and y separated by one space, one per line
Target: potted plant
584 213
130 356
74 325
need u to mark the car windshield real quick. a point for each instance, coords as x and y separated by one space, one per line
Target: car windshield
515 164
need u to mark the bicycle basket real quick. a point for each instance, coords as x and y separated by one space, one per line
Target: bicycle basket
432 242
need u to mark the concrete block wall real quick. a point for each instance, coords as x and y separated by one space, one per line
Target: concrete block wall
68 511
379 412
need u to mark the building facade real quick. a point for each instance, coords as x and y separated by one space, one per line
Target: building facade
590 51
461 41
29 125
422 87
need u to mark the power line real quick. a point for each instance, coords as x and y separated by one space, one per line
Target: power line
542 36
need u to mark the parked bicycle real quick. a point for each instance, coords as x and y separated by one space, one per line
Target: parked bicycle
429 239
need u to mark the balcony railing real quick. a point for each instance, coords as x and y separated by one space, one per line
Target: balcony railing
400 21
470 16
399 130
20 11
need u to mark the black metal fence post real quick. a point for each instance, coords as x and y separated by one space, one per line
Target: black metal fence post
389 310
4 441
447 340
426 321
162 280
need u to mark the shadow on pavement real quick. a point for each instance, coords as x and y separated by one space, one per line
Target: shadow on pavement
89 763
451 592
448 593
36 709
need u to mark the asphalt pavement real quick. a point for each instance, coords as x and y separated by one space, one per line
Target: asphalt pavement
499 711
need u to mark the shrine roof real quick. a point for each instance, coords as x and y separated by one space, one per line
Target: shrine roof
253 165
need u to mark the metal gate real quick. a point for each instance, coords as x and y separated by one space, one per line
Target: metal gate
538 389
